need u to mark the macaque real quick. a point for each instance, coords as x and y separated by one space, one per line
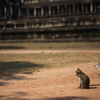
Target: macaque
83 78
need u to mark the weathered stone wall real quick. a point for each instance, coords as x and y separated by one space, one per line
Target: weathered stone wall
50 20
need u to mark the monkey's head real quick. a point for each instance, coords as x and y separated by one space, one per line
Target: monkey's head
78 72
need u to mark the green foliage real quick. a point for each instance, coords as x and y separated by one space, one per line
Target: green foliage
50 47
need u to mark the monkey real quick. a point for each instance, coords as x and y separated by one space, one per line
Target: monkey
83 78
97 66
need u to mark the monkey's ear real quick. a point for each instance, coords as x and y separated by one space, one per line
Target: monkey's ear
78 69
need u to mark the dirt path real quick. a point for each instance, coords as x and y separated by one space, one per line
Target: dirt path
44 51
51 84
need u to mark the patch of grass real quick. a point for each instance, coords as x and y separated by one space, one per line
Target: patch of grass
52 45
22 63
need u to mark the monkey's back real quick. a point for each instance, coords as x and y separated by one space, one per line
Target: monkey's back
85 80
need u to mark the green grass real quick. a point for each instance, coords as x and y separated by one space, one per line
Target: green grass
52 46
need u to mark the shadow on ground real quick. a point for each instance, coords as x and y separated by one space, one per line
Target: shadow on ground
68 98
94 86
11 68
4 83
10 47
57 98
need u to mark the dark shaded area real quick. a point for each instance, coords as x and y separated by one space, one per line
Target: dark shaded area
10 47
21 93
17 78
68 98
1 96
10 68
3 83
57 98
14 77
94 86
98 74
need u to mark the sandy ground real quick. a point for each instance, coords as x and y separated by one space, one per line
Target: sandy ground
43 51
51 84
